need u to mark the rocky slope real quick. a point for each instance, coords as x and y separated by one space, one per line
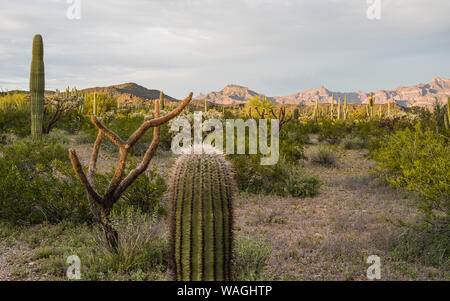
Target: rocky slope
424 95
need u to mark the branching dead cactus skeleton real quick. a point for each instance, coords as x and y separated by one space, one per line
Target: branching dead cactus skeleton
101 205
281 116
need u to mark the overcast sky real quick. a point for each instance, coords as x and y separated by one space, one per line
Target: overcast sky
275 47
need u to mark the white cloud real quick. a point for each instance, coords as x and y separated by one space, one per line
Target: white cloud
276 47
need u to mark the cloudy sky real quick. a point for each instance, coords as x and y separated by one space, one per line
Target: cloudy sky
275 47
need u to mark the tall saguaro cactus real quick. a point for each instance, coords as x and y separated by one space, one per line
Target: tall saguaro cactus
316 109
201 193
94 109
37 86
339 109
345 107
161 99
331 107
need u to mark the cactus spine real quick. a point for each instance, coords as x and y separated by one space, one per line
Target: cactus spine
94 108
37 86
201 192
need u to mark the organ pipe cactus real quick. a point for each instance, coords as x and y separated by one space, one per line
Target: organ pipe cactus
37 86
201 193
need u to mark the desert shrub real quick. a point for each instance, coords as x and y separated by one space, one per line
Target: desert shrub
38 184
250 259
72 122
15 114
419 161
332 131
283 178
429 244
350 142
105 103
298 182
141 245
324 156
144 193
124 126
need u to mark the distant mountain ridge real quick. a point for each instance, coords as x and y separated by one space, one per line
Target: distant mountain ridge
129 93
424 95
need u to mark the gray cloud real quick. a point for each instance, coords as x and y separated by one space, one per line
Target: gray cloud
274 47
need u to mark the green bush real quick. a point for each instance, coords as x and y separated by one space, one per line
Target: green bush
283 178
38 185
144 193
298 182
350 142
419 161
250 259
324 156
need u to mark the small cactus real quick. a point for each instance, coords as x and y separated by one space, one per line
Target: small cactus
201 193
37 87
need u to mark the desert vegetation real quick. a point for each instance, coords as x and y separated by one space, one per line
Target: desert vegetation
352 180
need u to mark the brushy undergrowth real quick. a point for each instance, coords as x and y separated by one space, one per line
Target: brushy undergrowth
324 156
250 259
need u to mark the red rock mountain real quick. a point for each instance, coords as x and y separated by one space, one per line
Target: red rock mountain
231 94
424 95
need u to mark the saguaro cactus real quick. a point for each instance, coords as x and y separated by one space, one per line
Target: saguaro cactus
206 106
331 107
94 109
161 99
37 86
316 109
345 107
371 105
201 193
339 109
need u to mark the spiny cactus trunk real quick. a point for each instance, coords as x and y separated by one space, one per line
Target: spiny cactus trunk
316 109
37 86
331 107
345 107
94 108
339 109
201 192
161 99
